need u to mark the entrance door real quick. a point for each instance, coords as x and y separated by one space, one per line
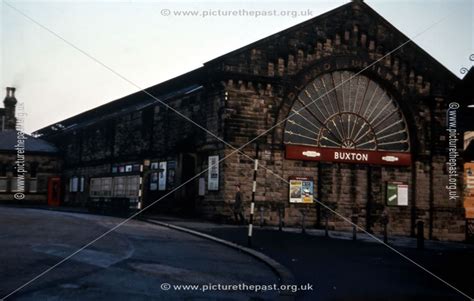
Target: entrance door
54 191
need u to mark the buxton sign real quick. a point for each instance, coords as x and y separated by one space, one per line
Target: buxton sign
310 153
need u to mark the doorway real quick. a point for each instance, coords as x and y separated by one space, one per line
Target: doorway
54 191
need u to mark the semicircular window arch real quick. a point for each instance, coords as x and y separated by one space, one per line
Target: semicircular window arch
345 110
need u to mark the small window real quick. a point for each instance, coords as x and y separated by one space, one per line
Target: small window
14 184
33 185
73 184
3 184
81 189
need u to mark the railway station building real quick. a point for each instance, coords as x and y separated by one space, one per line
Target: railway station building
357 122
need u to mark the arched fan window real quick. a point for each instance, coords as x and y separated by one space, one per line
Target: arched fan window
358 114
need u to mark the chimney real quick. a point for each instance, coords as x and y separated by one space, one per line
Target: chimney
10 104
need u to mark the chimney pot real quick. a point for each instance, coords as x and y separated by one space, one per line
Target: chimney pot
11 92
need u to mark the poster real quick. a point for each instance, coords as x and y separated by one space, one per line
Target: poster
213 174
153 181
301 190
162 176
397 194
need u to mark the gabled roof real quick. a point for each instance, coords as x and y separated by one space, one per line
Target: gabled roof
421 59
180 85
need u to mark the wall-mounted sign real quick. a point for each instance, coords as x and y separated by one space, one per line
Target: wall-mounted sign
310 153
397 194
213 174
162 176
301 190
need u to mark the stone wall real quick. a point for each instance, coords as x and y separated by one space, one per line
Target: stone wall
46 166
355 192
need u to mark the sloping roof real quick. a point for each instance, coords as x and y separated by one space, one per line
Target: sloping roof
180 85
8 140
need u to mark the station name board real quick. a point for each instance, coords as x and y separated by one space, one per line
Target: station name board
326 154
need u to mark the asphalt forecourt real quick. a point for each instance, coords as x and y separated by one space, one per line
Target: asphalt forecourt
342 269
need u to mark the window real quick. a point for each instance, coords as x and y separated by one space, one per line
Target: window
106 184
133 186
81 189
94 187
357 115
14 184
3 184
100 187
73 184
119 186
33 185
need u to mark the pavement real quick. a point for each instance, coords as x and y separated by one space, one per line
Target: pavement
138 261
342 269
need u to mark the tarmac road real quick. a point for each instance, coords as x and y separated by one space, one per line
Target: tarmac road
132 263
346 270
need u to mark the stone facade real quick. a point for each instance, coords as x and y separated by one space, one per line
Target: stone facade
40 167
241 95
26 163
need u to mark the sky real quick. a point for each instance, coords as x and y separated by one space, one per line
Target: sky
148 42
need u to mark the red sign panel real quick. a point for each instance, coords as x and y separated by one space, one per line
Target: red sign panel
310 153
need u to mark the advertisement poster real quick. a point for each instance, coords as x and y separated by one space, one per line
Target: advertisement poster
153 181
162 176
213 174
397 194
301 190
